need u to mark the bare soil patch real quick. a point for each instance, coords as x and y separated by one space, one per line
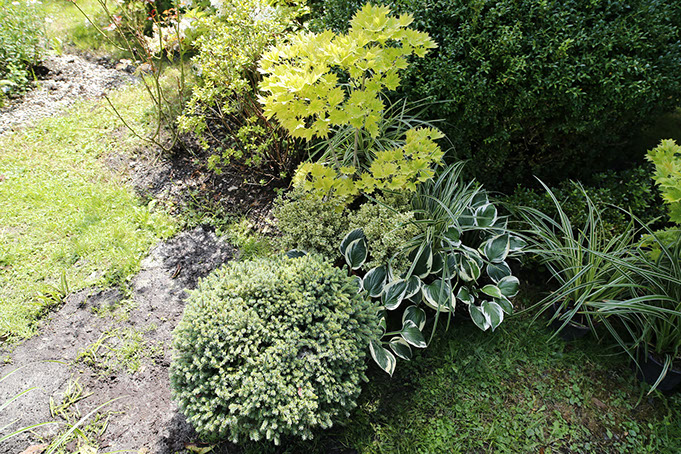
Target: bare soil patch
145 418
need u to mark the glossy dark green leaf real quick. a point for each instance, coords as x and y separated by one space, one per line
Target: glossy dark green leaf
486 215
374 281
509 286
413 286
493 312
479 199
356 253
478 317
422 259
383 357
416 315
491 290
505 305
438 262
295 253
465 296
516 244
453 236
400 347
438 295
412 334
467 218
349 238
497 271
468 269
393 294
496 249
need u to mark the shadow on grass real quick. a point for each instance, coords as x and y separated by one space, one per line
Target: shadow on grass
515 390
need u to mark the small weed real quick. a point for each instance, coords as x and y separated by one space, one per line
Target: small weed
119 349
67 407
248 240
200 210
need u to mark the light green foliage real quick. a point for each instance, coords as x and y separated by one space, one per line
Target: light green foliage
388 227
250 242
321 85
271 348
21 34
223 110
305 93
319 225
63 210
398 169
310 225
667 160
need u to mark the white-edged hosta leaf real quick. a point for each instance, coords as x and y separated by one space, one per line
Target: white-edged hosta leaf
412 334
496 248
400 347
505 305
374 281
349 238
479 199
295 253
393 294
491 290
438 295
467 218
413 286
453 235
465 296
509 286
422 258
438 263
494 313
416 315
356 253
383 357
468 269
479 317
516 243
382 322
486 215
450 266
358 281
501 223
497 271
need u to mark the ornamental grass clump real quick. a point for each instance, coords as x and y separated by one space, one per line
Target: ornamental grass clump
271 348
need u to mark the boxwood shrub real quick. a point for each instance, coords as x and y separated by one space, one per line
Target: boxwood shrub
550 87
271 348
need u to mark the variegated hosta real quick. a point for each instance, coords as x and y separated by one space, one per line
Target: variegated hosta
468 265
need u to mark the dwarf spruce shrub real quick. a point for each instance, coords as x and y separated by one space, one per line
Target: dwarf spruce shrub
271 348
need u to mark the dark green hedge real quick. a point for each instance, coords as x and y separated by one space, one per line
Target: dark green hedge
552 88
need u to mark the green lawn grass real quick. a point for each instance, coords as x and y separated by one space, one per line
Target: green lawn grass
63 211
69 30
512 391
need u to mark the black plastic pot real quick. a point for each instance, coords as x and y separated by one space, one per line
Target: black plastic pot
572 330
650 369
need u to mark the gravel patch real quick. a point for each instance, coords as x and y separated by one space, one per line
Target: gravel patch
67 79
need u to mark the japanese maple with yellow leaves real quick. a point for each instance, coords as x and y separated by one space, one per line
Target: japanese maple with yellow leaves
330 86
